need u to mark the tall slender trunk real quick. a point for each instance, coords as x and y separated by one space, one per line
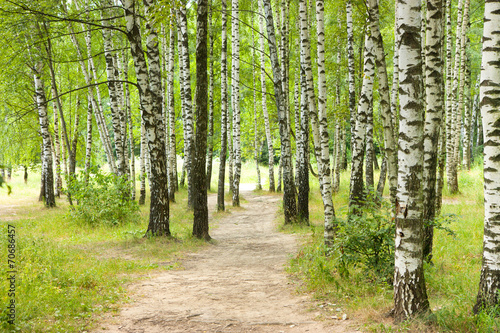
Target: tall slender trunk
115 108
394 99
223 110
151 113
236 101
187 98
434 114
57 147
302 135
200 224
461 87
263 88
487 297
466 153
172 178
88 148
289 201
382 178
410 295
329 211
47 173
142 164
297 107
451 162
356 195
441 167
369 150
338 156
210 102
128 111
351 70
386 111
256 141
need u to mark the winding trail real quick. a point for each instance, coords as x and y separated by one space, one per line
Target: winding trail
236 285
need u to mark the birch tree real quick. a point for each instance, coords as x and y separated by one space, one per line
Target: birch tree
410 295
47 171
434 113
185 66
489 283
223 109
151 117
200 223
263 88
235 80
289 201
211 100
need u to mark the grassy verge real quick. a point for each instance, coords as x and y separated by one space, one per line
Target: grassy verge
69 274
452 280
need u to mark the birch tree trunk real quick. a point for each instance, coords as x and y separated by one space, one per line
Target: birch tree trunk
151 115
461 87
57 147
116 110
223 110
88 146
302 135
263 88
211 101
451 163
289 202
489 283
386 112
410 295
187 98
200 223
142 165
394 101
338 156
236 101
356 195
351 70
329 212
256 141
172 180
434 114
466 146
128 112
47 172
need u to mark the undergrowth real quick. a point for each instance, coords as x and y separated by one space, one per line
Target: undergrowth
452 279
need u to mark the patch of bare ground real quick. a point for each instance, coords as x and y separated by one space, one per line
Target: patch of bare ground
237 284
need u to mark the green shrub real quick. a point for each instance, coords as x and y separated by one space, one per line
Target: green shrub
366 240
102 199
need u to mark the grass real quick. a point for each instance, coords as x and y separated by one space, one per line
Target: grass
452 280
69 274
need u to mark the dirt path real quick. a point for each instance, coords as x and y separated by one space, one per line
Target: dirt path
236 285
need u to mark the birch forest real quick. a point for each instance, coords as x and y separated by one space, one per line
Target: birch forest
145 131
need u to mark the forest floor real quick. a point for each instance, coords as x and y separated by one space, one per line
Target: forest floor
237 284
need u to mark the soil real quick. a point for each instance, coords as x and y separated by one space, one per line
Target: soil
237 284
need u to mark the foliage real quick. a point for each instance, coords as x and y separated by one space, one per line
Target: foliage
103 199
367 240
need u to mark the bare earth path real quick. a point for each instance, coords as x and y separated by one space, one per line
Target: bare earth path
236 285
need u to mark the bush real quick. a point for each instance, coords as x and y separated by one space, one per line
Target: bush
366 240
102 199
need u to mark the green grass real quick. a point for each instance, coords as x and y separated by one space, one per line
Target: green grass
69 274
452 280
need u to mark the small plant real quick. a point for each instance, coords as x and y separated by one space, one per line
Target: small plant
366 240
102 199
